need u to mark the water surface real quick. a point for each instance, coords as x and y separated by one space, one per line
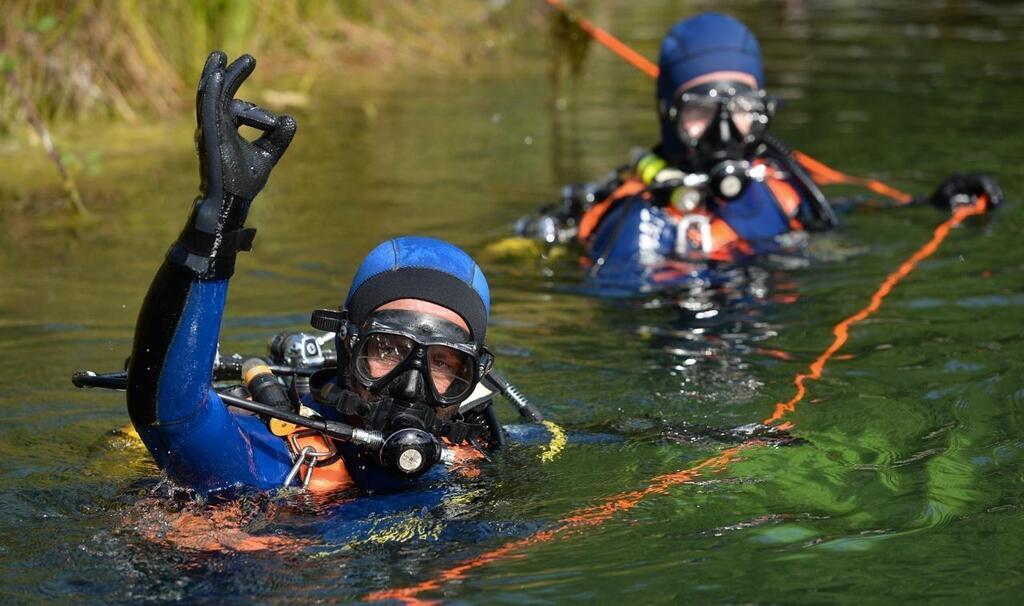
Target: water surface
907 484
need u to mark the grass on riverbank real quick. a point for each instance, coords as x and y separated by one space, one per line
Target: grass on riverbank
126 59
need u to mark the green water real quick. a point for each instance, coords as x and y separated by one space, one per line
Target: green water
908 484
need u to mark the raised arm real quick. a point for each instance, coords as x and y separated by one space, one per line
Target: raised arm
182 421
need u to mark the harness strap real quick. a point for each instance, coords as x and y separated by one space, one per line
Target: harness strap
592 218
317 459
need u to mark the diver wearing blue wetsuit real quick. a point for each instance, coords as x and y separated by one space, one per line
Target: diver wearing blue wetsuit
718 186
410 338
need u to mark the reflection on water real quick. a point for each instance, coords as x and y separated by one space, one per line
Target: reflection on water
905 479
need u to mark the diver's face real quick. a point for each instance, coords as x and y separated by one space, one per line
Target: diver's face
446 367
448 370
696 117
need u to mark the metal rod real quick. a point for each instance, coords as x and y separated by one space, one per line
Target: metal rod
333 429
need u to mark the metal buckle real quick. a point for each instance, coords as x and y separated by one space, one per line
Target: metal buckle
306 455
702 223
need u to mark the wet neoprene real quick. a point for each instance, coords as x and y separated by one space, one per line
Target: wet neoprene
232 169
171 401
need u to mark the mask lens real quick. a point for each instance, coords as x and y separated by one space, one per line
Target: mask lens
695 115
451 370
380 353
748 112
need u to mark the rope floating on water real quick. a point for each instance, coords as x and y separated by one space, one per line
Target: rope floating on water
576 520
842 329
596 515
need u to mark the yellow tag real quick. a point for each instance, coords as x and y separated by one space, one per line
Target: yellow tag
282 428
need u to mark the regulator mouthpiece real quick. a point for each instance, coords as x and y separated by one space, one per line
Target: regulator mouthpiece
729 179
412 452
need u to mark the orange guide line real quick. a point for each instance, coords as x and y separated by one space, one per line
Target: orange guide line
598 514
842 330
576 520
826 175
610 42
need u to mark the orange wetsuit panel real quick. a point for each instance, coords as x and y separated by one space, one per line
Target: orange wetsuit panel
785 195
590 219
325 477
725 240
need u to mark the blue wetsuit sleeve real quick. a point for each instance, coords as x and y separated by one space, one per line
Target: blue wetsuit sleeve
181 419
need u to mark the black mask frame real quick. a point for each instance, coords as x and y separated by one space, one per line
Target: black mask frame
424 331
722 139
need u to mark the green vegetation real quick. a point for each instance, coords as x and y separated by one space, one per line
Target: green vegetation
134 61
130 58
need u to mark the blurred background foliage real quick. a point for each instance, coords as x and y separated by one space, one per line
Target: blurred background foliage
128 59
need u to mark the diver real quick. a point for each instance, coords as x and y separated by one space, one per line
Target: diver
409 342
718 187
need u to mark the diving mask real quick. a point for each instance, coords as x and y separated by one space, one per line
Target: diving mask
416 356
721 121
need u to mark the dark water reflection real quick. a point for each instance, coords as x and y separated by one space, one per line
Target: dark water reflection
908 484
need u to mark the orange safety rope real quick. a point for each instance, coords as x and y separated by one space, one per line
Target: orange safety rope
826 175
575 521
842 330
821 173
597 515
609 41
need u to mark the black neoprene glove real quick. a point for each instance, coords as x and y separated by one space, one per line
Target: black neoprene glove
232 169
965 188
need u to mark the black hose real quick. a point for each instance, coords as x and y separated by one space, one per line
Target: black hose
820 207
497 433
495 380
332 429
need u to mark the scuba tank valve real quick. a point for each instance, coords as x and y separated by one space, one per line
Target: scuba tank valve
301 349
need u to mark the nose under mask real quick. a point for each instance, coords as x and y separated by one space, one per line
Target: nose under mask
408 386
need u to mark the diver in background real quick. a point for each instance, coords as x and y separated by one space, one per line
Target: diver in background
718 186
410 339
